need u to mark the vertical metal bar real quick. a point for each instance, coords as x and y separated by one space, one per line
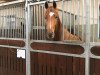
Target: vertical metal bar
16 24
63 17
2 17
93 21
4 23
42 22
13 20
87 49
44 26
31 22
0 24
13 23
83 20
74 15
24 24
27 16
98 17
37 20
22 21
78 16
34 22
67 15
10 20
70 16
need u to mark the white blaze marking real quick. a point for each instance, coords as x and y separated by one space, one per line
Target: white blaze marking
51 14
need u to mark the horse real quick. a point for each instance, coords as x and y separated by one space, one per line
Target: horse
54 29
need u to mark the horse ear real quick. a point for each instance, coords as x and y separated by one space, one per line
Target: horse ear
54 4
46 5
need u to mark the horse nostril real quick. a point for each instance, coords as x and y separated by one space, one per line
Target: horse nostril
51 35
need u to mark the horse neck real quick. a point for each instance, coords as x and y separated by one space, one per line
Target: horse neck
58 32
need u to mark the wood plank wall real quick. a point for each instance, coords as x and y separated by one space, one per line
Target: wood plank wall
47 64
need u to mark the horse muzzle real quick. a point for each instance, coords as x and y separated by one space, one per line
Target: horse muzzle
50 35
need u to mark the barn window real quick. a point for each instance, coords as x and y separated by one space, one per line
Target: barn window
10 22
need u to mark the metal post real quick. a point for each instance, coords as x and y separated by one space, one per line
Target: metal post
27 39
63 17
83 20
98 14
87 58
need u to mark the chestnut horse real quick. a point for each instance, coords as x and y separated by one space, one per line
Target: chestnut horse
54 30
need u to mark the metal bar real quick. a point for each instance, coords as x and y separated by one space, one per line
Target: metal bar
58 53
12 39
37 15
22 22
67 15
14 22
42 22
93 21
11 22
87 57
78 16
60 42
74 16
39 22
94 56
7 46
10 3
36 3
27 14
5 23
63 17
34 22
83 20
70 17
98 17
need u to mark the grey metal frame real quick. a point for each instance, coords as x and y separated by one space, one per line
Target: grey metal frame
87 45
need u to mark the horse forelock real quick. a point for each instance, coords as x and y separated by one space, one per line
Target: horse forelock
51 9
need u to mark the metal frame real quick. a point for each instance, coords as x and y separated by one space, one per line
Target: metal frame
86 45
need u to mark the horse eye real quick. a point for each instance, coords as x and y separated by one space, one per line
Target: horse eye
56 17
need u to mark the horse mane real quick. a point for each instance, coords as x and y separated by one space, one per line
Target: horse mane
58 31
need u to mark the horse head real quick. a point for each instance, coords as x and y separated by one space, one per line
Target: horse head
52 20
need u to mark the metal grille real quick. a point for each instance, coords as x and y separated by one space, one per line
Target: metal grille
12 21
37 22
72 14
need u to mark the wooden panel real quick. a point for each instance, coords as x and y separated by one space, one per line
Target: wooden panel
97 67
48 64
10 64
96 50
75 49
18 43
